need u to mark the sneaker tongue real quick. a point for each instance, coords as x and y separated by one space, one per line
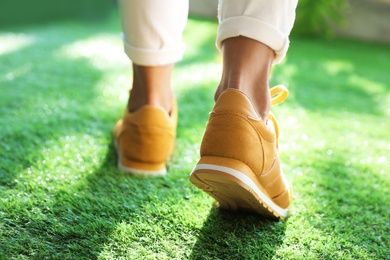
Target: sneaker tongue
235 101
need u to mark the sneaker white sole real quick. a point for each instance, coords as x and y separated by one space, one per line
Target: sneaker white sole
234 190
140 172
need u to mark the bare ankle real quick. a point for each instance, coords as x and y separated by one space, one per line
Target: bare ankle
151 86
160 99
246 66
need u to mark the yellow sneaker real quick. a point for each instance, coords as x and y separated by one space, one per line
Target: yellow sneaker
145 139
239 164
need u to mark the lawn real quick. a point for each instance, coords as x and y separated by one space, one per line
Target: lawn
63 86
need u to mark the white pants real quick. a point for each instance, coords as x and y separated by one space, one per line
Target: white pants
153 28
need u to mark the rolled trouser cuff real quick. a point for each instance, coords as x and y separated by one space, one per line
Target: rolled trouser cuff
152 30
154 57
255 29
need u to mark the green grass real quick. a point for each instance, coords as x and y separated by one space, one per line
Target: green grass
64 85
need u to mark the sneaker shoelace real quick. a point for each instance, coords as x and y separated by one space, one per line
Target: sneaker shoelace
279 94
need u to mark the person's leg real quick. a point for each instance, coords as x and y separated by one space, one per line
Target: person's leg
153 41
239 163
145 135
253 35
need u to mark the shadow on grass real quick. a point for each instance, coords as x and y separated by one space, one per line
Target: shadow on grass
229 235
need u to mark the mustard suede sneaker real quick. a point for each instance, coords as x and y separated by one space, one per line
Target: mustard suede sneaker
239 164
145 139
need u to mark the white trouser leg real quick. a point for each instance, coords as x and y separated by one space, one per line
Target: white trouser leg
153 30
267 21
